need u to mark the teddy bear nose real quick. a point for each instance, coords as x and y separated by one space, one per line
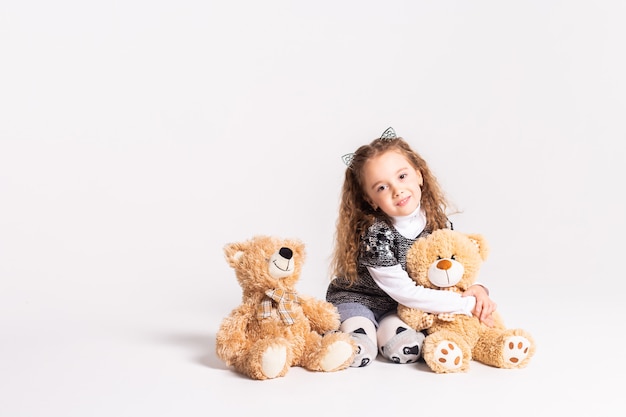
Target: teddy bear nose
285 253
444 264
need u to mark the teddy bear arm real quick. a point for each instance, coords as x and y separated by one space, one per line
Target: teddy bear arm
231 337
323 316
417 319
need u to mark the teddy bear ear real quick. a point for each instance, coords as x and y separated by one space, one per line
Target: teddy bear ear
233 253
481 244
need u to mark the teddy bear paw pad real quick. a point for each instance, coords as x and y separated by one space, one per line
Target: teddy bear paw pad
273 361
449 355
516 349
337 354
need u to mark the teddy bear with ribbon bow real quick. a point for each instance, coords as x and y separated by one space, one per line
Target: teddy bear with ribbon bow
275 328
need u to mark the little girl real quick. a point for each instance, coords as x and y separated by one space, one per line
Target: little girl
389 199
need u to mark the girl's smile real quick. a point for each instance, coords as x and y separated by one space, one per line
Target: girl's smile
404 201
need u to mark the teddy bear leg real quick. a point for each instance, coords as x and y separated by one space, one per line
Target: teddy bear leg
446 352
505 349
517 351
268 359
340 351
273 361
331 352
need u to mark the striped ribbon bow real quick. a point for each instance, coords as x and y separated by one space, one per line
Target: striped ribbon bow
284 302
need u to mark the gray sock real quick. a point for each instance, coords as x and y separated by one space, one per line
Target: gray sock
404 347
366 349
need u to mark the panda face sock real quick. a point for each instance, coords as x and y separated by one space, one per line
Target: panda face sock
404 347
366 349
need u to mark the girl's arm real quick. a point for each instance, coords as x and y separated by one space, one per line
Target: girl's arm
398 285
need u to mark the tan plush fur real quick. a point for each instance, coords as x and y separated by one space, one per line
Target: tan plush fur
266 347
454 340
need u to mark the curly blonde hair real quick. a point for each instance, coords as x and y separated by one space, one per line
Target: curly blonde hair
356 215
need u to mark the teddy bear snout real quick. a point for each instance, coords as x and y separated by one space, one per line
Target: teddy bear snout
281 263
445 273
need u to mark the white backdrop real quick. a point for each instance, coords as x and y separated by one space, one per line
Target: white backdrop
139 137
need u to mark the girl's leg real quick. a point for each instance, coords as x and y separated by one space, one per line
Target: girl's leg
398 342
363 331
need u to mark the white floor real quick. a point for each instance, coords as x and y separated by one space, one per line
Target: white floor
148 350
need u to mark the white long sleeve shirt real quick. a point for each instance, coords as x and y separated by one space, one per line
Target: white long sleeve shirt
396 282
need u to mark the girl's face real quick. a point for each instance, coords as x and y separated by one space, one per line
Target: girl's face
392 184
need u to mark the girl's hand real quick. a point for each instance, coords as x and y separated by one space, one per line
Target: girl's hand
484 305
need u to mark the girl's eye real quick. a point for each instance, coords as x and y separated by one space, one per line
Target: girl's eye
381 188
403 176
